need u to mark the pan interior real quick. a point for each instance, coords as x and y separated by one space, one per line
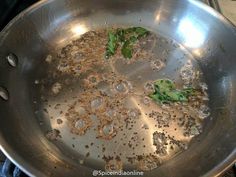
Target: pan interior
98 110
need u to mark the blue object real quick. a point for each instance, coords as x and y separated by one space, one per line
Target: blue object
8 169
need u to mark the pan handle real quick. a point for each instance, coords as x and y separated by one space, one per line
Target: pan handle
214 4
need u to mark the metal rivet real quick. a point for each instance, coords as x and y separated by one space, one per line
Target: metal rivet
12 59
4 94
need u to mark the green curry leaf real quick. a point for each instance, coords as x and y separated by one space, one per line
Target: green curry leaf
111 45
120 35
140 32
127 49
166 92
126 38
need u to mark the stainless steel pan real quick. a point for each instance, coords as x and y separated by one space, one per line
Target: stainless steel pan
49 25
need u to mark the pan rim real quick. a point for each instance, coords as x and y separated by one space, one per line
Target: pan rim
18 160
31 170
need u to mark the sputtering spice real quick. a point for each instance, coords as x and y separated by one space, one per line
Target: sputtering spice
59 121
113 164
146 100
204 111
48 59
163 118
149 88
56 88
53 134
160 141
107 130
187 73
79 124
157 65
134 113
145 162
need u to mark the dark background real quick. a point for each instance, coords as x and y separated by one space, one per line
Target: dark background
10 8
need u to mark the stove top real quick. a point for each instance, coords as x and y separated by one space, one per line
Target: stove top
225 7
10 8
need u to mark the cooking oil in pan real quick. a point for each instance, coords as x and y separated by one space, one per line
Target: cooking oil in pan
100 110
